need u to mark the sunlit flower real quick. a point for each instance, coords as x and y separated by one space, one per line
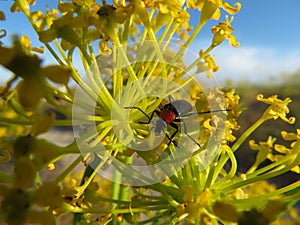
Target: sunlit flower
210 62
42 21
278 108
212 8
224 31
264 149
15 7
194 207
276 152
26 44
291 136
165 7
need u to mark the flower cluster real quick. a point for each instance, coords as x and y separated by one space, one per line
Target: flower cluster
119 67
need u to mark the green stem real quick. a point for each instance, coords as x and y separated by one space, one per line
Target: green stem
257 200
115 194
247 133
77 78
79 210
187 43
193 64
277 165
241 183
144 35
15 121
68 170
61 51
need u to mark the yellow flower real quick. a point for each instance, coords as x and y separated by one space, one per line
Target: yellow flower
211 8
169 10
194 206
16 8
231 125
224 31
26 44
66 7
232 100
215 125
277 109
109 16
293 151
89 3
43 20
188 194
165 7
264 149
291 136
210 62
267 150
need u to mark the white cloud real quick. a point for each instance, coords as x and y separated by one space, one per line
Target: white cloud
255 64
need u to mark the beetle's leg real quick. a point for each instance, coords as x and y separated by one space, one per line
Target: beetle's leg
185 130
173 135
134 107
148 117
170 139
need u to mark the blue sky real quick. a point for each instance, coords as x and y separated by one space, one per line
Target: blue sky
270 41
268 31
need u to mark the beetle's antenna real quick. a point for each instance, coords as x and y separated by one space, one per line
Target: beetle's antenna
213 111
206 112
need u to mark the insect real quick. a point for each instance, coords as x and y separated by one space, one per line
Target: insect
172 113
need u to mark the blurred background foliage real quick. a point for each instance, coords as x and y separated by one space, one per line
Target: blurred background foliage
284 85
